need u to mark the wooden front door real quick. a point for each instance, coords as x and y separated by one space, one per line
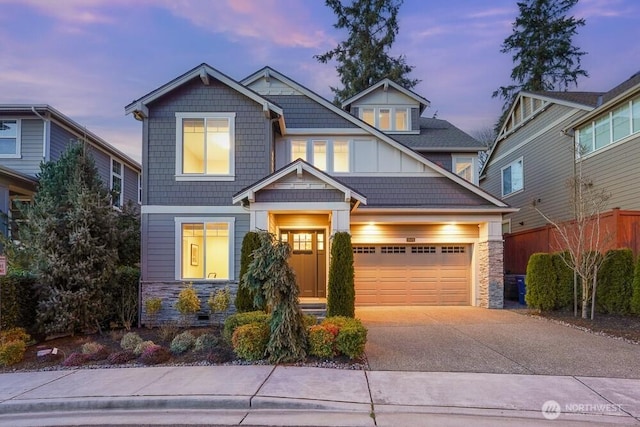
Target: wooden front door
308 260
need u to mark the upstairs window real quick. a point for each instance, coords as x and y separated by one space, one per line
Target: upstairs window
326 155
463 166
392 119
9 138
340 156
512 178
117 194
205 145
320 155
139 188
298 150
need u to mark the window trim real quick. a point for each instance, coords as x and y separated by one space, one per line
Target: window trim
474 167
521 160
180 176
392 117
178 245
121 177
310 143
18 153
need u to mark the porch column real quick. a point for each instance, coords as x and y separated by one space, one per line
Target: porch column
258 220
340 221
491 265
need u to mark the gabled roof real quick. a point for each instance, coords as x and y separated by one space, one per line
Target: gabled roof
298 166
384 84
45 110
439 135
202 71
371 130
589 99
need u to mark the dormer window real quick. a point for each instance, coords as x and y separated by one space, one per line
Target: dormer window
390 119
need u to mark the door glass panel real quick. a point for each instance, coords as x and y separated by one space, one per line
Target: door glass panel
320 241
302 242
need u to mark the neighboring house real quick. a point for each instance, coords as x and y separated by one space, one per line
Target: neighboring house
222 157
546 136
32 134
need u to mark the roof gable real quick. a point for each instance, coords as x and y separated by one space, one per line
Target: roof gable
384 85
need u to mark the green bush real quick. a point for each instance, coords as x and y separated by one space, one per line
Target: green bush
12 352
615 280
152 306
309 320
541 282
188 301
635 296
239 319
219 300
14 334
341 292
130 341
245 297
564 277
322 340
182 342
206 342
18 301
250 340
154 354
351 335
140 348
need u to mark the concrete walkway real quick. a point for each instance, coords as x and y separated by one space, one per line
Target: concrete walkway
283 395
472 339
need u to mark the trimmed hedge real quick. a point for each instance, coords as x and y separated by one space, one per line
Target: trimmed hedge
542 289
635 296
564 276
322 340
341 293
239 319
250 340
615 278
244 296
351 337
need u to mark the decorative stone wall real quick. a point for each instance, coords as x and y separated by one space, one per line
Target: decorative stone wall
168 293
491 279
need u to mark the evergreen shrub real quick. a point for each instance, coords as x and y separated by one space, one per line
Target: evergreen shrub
18 301
154 355
206 342
341 292
250 340
615 282
130 341
188 301
564 274
541 282
182 342
12 352
322 340
245 298
94 351
635 294
141 347
238 319
351 335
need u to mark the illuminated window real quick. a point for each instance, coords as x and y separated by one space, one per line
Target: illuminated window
206 144
298 150
368 116
340 156
205 248
401 120
320 155
463 166
384 119
396 119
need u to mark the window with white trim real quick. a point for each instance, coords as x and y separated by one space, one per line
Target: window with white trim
320 155
327 155
10 138
117 189
205 146
464 166
341 156
139 188
512 178
204 248
391 119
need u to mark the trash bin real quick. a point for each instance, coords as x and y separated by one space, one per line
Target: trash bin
522 289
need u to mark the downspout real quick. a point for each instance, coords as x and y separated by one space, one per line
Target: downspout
45 133
272 148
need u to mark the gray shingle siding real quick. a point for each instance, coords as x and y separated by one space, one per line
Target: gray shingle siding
252 141
415 119
413 192
303 112
159 242
31 134
103 164
441 159
300 196
130 184
59 141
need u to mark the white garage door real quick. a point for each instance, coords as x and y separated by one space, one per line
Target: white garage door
412 274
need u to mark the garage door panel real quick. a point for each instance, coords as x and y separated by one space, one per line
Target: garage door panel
412 275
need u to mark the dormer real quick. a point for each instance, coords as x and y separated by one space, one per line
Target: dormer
388 107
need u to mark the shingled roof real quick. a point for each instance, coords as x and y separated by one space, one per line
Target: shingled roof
438 135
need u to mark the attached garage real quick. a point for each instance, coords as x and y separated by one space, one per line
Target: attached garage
423 274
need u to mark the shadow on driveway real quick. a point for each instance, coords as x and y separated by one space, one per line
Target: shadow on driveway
472 339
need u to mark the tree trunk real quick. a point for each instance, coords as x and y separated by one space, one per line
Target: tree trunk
585 299
593 294
575 294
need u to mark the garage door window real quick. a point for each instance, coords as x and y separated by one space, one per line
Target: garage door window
393 250
364 249
423 249
453 249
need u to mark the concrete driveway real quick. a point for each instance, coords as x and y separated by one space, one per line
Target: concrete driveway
471 339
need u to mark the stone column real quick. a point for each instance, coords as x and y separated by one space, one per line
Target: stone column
491 266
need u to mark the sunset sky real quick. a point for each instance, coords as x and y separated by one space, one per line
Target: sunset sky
90 58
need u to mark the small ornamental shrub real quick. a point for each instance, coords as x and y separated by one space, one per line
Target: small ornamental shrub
250 340
541 282
121 357
188 301
182 342
154 355
219 301
130 341
12 352
564 276
322 340
76 359
14 334
152 307
238 319
206 342
94 351
635 297
245 297
222 354
168 331
615 282
341 289
351 335
140 348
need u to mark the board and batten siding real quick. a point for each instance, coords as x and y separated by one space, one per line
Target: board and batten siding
548 160
616 170
31 137
252 140
159 243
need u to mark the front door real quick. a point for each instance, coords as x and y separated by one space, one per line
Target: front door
308 260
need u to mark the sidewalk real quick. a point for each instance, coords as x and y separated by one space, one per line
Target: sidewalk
283 395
